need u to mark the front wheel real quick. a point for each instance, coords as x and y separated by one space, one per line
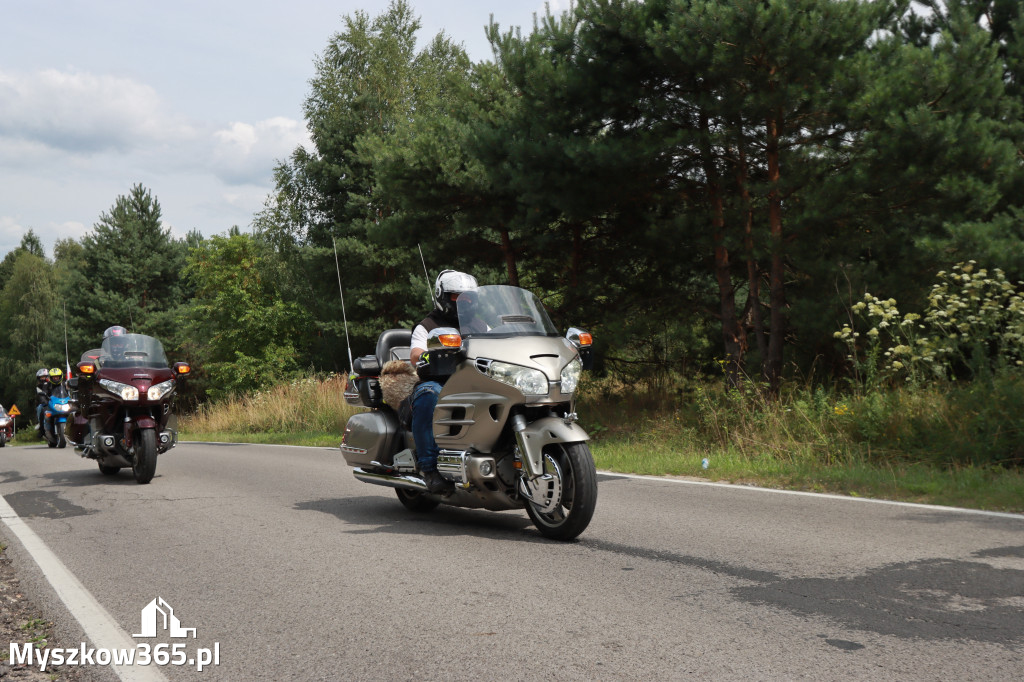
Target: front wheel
574 485
415 501
62 441
144 467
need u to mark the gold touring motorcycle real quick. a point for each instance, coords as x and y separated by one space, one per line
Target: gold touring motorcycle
505 421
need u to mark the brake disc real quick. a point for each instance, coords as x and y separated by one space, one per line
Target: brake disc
545 491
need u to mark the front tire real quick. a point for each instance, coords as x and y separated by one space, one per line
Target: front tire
416 501
575 509
62 441
144 467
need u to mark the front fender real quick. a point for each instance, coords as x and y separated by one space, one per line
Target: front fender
534 436
144 422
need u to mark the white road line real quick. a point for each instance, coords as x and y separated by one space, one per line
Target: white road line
847 498
101 629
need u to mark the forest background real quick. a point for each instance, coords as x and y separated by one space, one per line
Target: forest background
771 202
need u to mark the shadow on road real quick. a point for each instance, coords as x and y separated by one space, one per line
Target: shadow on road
389 516
78 478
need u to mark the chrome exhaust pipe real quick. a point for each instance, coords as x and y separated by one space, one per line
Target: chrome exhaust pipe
404 481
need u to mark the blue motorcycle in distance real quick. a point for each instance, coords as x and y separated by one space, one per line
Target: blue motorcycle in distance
55 417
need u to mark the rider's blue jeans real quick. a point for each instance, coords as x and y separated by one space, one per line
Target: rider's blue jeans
424 399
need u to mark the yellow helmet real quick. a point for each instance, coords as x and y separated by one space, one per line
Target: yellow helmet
56 376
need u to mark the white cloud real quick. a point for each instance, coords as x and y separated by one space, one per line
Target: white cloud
11 232
556 7
82 113
247 152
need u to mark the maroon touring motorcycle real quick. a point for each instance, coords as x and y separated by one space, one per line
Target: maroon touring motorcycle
123 405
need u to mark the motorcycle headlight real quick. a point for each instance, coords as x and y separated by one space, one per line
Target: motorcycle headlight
64 408
124 391
571 375
160 390
528 381
5 421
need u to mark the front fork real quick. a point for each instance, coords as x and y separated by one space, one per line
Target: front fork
543 489
140 422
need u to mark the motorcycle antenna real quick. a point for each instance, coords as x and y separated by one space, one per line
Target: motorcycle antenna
67 356
430 290
344 318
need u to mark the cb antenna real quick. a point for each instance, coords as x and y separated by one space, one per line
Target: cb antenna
67 356
344 318
426 275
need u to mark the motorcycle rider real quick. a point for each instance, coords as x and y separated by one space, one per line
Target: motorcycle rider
447 287
42 397
54 377
115 342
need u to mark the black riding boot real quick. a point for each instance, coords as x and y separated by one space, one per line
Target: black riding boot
438 485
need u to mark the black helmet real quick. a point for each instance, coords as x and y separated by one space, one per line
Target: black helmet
451 282
116 330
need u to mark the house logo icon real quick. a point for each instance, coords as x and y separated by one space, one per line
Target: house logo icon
158 615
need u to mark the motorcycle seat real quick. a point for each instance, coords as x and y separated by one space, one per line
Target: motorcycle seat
394 344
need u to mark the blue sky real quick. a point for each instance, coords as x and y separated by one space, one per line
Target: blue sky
195 99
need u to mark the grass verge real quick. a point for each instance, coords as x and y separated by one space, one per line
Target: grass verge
953 446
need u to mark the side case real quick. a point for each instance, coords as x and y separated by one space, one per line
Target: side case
371 437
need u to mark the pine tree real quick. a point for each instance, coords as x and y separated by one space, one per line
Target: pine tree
128 274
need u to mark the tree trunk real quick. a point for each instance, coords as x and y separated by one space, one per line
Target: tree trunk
577 256
776 280
756 319
731 330
510 257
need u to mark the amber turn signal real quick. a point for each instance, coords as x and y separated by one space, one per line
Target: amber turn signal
182 368
586 339
450 340
87 368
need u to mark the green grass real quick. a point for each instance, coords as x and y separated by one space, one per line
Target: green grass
989 488
305 438
947 445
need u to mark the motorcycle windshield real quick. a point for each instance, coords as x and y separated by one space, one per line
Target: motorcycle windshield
132 350
60 392
502 312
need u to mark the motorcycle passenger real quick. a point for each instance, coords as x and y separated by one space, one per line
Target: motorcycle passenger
447 287
42 397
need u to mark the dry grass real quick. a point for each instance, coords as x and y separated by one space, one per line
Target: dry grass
305 405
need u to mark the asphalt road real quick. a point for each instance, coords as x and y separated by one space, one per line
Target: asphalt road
296 571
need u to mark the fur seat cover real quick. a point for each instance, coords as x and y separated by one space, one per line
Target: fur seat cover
397 380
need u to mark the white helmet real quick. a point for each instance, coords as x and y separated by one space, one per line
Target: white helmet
451 282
